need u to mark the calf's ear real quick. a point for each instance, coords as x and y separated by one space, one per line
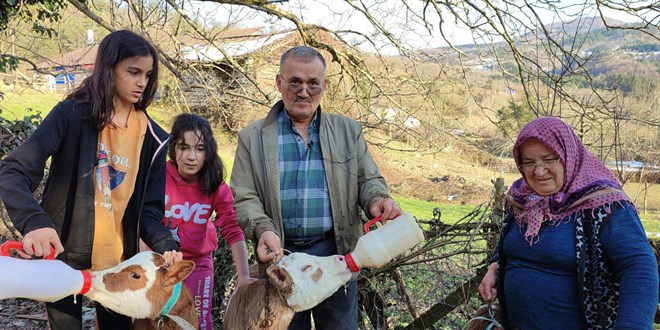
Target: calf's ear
178 272
279 276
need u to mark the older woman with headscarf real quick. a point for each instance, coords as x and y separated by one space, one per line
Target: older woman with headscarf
572 252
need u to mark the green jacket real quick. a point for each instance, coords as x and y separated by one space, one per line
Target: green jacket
354 179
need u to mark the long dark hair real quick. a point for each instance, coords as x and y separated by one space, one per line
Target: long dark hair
212 174
99 88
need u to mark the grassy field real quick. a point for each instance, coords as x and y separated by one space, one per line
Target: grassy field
424 210
16 105
452 213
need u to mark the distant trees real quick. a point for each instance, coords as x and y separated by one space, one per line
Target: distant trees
643 48
37 13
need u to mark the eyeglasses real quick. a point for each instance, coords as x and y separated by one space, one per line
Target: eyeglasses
546 164
313 88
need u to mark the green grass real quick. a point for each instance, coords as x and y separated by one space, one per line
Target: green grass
423 210
651 225
14 106
161 115
228 162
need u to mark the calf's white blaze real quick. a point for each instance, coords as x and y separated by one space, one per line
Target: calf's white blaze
314 278
131 302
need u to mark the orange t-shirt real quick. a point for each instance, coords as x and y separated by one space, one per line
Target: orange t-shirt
117 164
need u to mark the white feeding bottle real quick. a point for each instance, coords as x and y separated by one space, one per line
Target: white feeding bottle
378 247
42 280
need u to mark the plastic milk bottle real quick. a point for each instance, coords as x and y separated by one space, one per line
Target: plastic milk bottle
41 280
376 248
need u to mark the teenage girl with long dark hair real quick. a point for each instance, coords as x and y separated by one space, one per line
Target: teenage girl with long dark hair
106 182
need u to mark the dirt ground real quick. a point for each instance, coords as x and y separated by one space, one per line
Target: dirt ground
22 314
25 314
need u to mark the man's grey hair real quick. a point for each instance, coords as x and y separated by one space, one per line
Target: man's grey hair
304 53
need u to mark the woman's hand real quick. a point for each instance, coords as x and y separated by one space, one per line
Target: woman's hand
39 242
488 286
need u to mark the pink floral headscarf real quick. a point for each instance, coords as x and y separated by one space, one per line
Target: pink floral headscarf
588 184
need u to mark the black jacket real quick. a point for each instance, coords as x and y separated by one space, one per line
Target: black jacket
69 135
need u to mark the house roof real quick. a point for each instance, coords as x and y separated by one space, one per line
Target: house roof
211 53
86 56
80 57
169 43
234 42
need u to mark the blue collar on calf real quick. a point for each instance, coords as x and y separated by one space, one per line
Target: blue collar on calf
173 299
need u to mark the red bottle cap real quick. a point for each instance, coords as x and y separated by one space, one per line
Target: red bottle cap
87 282
351 263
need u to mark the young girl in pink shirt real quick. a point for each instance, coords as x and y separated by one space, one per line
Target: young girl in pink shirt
197 200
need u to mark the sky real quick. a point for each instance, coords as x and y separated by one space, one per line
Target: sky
392 15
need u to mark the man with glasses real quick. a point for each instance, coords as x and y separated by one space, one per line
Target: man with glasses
300 178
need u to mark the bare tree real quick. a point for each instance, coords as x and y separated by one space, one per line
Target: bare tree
421 75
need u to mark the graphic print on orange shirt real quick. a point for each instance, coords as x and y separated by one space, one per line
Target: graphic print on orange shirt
107 177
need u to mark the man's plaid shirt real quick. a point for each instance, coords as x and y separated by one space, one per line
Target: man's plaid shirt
303 187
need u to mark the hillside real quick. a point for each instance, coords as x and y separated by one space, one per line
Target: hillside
455 176
602 51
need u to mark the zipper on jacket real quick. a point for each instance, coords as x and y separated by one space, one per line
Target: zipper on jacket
144 191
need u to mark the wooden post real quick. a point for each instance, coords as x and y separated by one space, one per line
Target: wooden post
497 206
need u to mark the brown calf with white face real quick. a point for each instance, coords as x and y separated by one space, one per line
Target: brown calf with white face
141 286
297 283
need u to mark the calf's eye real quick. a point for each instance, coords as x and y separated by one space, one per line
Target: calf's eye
306 268
135 276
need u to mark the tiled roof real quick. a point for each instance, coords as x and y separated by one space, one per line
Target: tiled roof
79 57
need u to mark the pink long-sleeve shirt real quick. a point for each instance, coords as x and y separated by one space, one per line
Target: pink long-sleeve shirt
189 215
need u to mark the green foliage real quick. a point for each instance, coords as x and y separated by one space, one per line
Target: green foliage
8 63
35 12
513 117
651 226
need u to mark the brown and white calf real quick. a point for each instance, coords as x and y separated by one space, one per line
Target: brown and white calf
141 286
297 283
